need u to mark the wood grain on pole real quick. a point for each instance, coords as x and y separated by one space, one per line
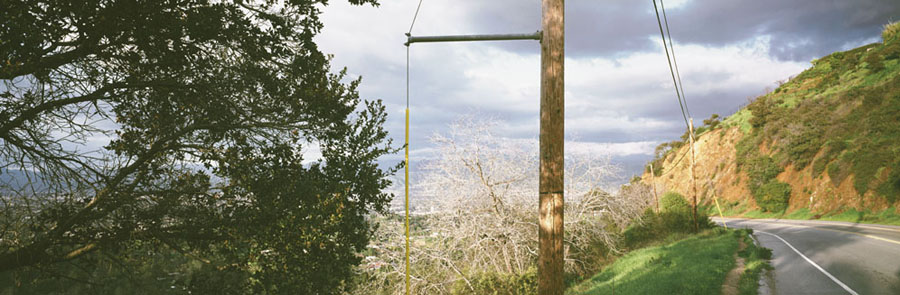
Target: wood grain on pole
550 232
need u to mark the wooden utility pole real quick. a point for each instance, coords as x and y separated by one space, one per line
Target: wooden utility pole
653 185
550 232
693 181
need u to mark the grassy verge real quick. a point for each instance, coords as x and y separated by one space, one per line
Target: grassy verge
695 265
756 260
889 216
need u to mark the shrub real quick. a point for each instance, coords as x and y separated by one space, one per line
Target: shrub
890 188
644 230
762 170
891 31
832 151
837 171
660 154
762 111
803 145
773 196
712 122
674 218
674 202
677 222
819 166
499 283
700 130
891 51
866 165
655 227
745 149
874 62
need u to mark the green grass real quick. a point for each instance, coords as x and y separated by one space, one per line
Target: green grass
728 209
740 119
761 214
800 214
889 216
695 265
756 260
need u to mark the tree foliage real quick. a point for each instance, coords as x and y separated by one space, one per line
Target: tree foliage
773 196
674 202
208 109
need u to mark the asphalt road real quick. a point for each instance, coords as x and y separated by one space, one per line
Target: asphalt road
840 257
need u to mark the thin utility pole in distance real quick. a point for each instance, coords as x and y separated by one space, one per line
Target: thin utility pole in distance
693 181
550 232
653 185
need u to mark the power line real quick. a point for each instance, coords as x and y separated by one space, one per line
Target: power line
675 61
414 17
682 102
671 69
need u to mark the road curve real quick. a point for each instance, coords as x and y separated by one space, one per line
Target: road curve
827 257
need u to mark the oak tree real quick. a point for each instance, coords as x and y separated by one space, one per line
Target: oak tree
184 126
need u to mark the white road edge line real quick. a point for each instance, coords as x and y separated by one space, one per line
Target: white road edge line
811 262
843 231
856 225
824 222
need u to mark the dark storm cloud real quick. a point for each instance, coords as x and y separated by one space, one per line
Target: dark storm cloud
799 29
592 28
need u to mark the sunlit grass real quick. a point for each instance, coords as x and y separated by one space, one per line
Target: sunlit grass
740 119
888 216
696 265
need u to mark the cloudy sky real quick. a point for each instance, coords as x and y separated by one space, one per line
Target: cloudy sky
619 93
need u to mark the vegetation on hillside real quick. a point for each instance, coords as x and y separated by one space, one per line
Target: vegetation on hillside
674 219
769 193
838 118
663 150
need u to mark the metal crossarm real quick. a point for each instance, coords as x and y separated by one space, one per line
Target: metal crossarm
463 38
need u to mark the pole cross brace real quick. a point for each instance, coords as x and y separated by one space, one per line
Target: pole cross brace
462 38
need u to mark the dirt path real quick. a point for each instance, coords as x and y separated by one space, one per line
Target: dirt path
730 286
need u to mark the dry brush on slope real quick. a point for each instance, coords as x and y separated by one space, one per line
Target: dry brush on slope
483 231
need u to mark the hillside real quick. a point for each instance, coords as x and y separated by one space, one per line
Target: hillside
827 140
